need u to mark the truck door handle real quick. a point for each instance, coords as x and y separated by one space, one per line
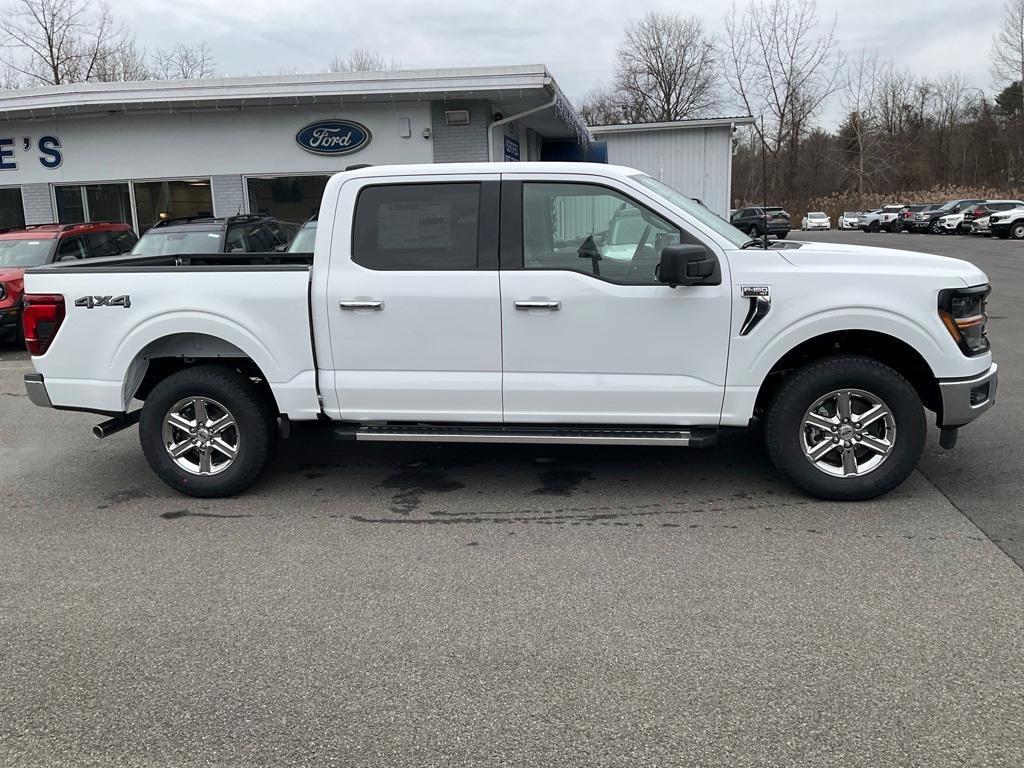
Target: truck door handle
554 306
376 306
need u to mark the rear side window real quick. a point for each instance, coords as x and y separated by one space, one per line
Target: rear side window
417 227
70 248
123 240
100 245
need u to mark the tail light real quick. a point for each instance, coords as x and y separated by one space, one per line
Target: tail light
41 319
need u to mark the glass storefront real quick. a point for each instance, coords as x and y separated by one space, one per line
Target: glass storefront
93 202
171 199
292 198
12 212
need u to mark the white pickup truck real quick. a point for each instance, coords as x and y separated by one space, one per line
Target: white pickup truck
519 303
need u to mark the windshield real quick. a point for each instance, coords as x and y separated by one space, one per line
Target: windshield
817 215
699 212
24 253
851 214
173 243
303 241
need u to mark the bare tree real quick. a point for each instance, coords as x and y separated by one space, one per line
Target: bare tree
1007 54
666 69
860 101
602 106
781 67
61 41
183 62
362 60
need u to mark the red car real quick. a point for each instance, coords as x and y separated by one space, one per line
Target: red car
40 244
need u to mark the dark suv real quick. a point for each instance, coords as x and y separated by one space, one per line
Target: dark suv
754 221
248 233
40 244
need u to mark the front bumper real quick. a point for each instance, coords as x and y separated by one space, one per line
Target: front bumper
999 228
10 318
36 389
964 400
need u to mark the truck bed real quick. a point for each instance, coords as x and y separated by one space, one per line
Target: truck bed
122 312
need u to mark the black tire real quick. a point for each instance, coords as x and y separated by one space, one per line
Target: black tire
782 235
1017 230
873 226
785 418
934 228
256 431
896 227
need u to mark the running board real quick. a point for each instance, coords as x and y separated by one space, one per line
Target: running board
417 433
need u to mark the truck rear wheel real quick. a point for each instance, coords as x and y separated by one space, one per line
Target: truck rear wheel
207 431
846 428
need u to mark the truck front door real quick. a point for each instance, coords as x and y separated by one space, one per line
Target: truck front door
588 333
413 306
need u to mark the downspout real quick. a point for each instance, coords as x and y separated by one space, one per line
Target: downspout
511 118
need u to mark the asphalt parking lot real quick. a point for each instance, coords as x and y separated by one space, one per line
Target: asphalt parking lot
492 605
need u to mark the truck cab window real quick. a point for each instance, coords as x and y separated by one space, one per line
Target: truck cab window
417 227
594 230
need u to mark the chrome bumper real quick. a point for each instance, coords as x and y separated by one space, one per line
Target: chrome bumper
964 400
37 390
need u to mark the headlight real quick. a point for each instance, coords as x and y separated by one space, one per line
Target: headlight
3 291
962 311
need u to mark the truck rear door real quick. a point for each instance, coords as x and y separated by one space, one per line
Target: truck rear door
412 299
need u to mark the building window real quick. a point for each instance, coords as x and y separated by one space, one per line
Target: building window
12 211
292 198
93 202
171 199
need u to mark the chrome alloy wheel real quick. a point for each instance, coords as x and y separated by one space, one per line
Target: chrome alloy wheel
848 432
201 436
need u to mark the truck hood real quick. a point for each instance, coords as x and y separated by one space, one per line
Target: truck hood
7 274
835 258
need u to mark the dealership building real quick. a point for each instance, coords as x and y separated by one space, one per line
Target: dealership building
145 151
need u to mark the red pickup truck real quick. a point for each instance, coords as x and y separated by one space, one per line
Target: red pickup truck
39 244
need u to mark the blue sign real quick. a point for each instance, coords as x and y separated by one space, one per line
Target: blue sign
511 150
333 137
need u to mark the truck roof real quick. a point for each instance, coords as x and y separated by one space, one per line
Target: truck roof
433 169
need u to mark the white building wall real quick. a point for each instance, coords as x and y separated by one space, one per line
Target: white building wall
208 143
696 161
460 143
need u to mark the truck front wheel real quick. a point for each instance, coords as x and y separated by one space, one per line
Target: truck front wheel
207 431
846 428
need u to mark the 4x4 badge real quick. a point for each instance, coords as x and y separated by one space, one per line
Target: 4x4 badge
91 302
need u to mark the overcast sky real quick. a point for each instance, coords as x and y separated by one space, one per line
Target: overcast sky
575 39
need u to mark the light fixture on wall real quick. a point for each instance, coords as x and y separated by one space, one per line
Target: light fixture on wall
457 117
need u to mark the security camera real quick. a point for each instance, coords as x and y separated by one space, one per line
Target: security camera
499 116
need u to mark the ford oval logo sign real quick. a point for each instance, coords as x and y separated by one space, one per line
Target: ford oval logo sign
333 137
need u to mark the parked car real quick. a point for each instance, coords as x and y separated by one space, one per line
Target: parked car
39 244
928 219
816 220
753 221
976 217
904 222
245 233
883 218
839 352
1006 224
304 238
850 219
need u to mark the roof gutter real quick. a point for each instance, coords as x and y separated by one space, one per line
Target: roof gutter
511 118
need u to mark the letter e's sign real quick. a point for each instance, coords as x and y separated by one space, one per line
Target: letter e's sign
50 155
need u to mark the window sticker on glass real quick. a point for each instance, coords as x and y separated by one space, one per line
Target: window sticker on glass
413 225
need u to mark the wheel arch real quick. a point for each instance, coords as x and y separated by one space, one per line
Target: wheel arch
887 349
173 352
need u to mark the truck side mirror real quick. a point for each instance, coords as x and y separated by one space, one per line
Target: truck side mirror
688 265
